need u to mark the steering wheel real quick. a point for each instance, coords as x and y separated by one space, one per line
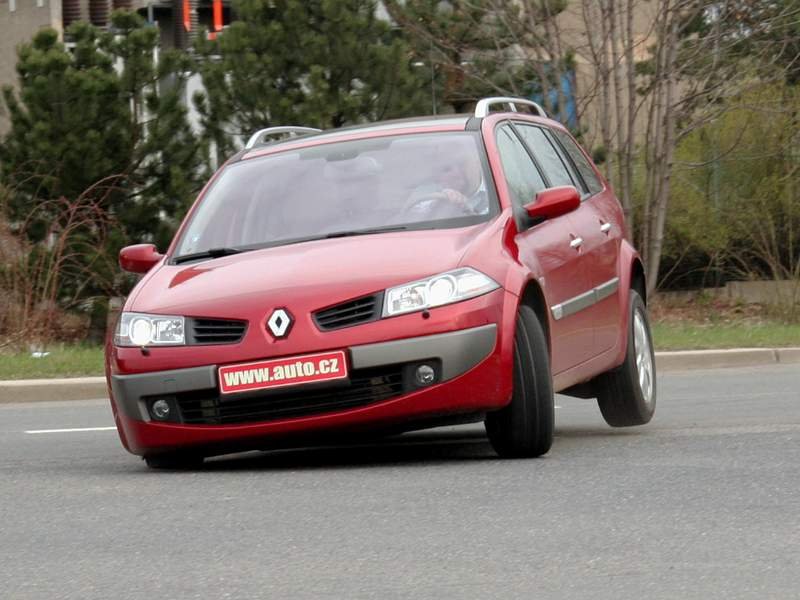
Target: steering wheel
440 204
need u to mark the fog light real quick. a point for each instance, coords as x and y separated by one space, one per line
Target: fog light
425 374
160 410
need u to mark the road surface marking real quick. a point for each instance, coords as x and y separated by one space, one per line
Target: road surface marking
79 429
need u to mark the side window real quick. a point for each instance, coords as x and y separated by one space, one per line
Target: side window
580 161
547 156
523 178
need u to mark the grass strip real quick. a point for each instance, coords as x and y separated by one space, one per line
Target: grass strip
62 361
695 336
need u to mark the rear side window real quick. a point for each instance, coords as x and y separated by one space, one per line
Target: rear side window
546 154
523 178
580 161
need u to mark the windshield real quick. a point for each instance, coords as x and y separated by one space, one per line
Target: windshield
418 181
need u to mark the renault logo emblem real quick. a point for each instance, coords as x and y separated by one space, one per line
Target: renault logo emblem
279 323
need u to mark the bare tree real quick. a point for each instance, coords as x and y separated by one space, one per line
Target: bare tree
650 73
72 235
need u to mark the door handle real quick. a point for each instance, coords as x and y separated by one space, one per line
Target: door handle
605 227
576 243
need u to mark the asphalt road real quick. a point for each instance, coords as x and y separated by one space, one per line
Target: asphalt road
701 503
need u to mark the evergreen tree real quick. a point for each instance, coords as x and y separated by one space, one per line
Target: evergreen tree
67 123
165 165
323 63
77 120
106 117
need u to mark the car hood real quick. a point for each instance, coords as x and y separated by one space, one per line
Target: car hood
305 276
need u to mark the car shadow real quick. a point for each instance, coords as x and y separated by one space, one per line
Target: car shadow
419 449
602 431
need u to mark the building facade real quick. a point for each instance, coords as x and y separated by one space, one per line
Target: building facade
177 20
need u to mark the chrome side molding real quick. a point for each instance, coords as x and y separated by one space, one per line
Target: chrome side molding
585 300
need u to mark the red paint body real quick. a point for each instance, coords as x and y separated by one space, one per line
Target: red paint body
313 275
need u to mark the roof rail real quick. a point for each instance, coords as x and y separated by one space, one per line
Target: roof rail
271 131
484 104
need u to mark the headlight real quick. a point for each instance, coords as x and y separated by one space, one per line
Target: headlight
446 288
136 329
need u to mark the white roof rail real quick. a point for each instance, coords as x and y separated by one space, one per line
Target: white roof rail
482 109
272 131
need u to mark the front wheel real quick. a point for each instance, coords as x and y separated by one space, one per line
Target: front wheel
524 428
627 395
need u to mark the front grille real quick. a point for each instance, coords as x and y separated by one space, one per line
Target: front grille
352 312
366 386
215 331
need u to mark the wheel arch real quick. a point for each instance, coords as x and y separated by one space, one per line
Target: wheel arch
638 281
632 277
533 296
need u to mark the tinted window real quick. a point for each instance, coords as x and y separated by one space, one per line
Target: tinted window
410 181
522 176
578 158
546 154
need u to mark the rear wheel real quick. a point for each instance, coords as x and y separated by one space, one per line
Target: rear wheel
524 428
627 395
174 461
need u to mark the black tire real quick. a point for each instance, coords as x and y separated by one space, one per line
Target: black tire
524 428
622 398
174 462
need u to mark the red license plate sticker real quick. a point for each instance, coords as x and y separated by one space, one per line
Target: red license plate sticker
282 372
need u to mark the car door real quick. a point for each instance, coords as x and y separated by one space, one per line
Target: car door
545 249
599 222
557 169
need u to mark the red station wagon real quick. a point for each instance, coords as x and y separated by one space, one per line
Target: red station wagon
380 279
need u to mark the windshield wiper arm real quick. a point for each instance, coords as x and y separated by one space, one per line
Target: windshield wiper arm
338 234
227 251
210 253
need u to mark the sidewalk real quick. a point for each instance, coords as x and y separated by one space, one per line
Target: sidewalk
90 388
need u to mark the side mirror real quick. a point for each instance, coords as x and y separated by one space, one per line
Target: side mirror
553 202
139 258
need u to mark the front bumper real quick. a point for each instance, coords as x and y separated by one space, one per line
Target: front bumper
469 379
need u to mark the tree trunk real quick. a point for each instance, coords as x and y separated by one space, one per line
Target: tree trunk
663 167
630 140
616 67
605 90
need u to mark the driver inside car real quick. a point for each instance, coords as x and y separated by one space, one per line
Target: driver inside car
456 187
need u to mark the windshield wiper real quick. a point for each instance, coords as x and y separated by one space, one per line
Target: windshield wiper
210 253
338 234
227 251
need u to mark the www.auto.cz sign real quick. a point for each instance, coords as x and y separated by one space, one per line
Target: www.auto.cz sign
283 372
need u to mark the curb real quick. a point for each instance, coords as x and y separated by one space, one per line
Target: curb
43 390
92 388
691 360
